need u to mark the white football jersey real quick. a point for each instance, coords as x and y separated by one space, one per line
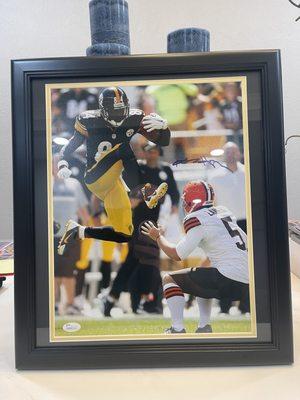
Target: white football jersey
215 230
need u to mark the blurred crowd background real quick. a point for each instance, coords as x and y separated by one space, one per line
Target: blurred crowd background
189 109
206 143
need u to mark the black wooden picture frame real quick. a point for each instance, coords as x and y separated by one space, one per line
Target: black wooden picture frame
270 177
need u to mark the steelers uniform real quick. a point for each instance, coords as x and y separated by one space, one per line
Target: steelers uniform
108 150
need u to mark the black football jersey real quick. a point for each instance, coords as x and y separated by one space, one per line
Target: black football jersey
101 137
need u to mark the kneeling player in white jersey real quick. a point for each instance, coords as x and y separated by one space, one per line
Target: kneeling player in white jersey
214 229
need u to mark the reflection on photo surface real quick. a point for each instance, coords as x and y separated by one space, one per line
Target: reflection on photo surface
150 215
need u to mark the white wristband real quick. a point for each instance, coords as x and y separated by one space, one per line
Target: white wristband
81 232
62 163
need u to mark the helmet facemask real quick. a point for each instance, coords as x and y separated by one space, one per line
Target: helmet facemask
114 111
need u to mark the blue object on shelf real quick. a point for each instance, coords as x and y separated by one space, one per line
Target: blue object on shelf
188 40
109 28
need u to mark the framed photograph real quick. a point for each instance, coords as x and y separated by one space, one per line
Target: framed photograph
150 212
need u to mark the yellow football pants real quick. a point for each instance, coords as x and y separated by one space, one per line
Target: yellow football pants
109 187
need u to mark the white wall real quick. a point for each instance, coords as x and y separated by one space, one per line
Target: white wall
50 28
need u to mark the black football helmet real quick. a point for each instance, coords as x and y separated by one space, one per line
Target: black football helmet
114 105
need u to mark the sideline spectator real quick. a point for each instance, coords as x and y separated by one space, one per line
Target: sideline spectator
69 202
231 109
172 102
229 190
69 104
229 186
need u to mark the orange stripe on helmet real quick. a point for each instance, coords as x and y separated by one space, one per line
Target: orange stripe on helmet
117 93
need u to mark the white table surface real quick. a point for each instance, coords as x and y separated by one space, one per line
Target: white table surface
242 383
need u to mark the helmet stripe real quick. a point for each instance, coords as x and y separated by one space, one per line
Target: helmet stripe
211 191
118 98
207 191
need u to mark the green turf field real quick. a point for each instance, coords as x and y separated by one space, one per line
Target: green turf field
146 326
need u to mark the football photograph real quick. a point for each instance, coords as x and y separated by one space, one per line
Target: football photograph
149 210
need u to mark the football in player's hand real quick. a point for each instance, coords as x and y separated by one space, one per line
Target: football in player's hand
152 125
152 136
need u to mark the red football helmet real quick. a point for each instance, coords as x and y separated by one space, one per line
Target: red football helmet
197 194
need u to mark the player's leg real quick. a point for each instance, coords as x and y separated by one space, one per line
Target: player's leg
120 282
135 289
244 305
140 284
135 182
153 284
109 169
124 248
103 179
82 266
236 291
207 283
69 284
74 231
105 268
57 276
122 277
80 280
67 265
225 304
85 247
117 162
175 300
118 208
205 306
133 286
57 286
200 282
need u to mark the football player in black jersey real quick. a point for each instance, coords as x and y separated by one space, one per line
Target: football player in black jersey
107 132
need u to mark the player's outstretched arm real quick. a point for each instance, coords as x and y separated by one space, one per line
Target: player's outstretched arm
150 230
63 166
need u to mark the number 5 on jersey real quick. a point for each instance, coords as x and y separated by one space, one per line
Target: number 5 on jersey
233 233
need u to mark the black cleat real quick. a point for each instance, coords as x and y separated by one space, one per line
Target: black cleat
206 329
108 306
173 330
70 234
